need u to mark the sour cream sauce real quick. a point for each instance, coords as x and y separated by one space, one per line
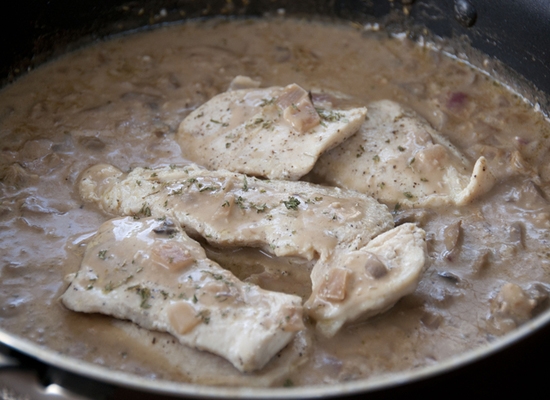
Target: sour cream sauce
121 101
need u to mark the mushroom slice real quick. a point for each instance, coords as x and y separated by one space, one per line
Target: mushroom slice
229 209
397 157
272 132
511 307
153 274
359 284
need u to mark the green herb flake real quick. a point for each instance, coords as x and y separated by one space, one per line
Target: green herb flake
217 277
266 102
329 115
376 158
288 383
408 195
401 148
227 145
102 254
145 210
195 300
260 207
204 315
108 287
240 202
145 294
245 185
292 203
207 188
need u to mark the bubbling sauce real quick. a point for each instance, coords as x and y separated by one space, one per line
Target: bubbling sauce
120 102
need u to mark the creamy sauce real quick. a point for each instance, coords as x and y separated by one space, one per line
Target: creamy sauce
120 102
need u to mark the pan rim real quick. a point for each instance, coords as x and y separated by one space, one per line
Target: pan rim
185 390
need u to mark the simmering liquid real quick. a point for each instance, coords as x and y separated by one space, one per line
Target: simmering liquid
121 101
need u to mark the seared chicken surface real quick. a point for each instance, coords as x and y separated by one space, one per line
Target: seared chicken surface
397 157
358 284
283 218
150 272
229 209
276 133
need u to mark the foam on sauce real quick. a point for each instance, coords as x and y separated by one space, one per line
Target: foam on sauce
120 102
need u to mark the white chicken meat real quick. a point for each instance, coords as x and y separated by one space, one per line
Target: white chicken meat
276 132
150 272
398 158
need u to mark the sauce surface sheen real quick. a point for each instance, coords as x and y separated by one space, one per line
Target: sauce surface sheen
121 101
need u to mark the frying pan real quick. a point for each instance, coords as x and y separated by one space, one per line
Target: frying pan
514 34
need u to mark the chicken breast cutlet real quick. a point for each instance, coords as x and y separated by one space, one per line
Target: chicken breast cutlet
276 132
150 272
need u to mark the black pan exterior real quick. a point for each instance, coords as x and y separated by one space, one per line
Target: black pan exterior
514 32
